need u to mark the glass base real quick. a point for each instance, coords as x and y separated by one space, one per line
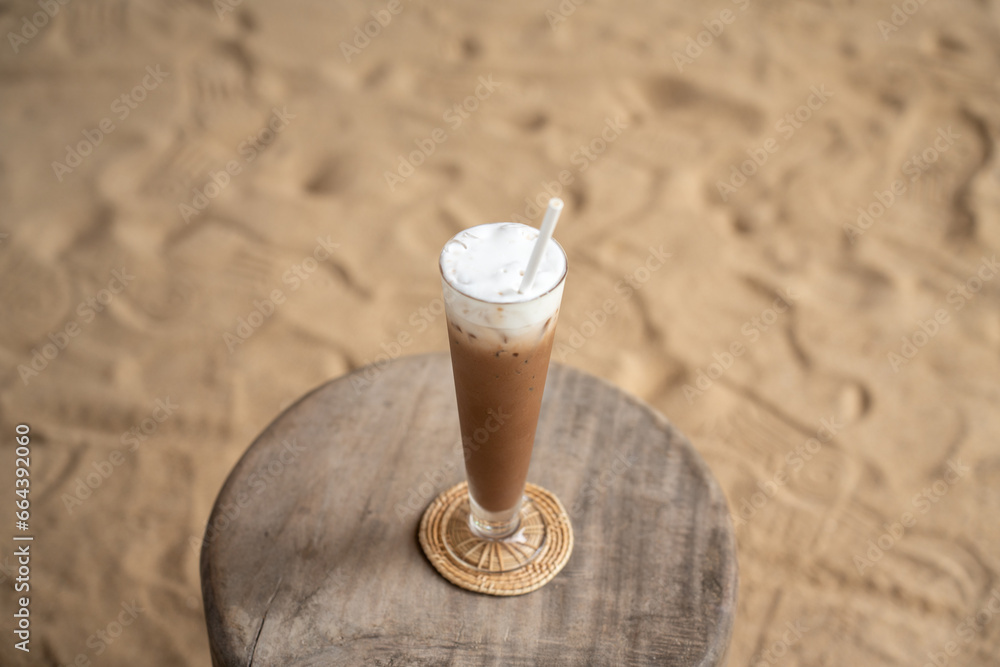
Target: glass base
469 544
494 525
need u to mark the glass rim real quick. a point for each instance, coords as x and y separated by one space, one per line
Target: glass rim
562 277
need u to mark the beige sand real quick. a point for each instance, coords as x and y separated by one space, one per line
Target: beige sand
673 130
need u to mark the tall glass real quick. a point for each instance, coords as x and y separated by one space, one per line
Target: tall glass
500 357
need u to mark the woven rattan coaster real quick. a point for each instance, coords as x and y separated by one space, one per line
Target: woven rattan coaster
545 527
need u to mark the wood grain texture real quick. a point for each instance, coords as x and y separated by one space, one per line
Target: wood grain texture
311 555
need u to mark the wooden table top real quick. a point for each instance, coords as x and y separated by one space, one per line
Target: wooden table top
311 555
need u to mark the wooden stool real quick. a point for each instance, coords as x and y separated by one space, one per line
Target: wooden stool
311 553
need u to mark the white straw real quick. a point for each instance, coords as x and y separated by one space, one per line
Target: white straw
548 227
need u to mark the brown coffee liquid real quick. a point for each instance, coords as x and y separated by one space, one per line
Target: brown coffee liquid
499 388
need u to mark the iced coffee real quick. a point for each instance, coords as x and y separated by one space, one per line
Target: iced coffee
501 341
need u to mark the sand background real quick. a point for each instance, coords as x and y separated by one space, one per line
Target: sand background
682 127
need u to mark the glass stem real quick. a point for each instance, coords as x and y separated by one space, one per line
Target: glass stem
493 525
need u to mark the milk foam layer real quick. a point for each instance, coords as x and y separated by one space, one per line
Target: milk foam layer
482 268
487 262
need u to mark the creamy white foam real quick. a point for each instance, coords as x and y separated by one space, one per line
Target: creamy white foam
487 262
483 266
